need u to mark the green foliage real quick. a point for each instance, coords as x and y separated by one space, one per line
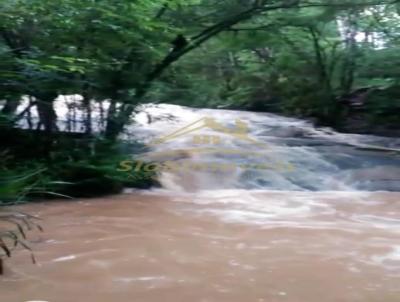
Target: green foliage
63 167
15 187
383 107
299 61
236 52
15 234
14 225
99 177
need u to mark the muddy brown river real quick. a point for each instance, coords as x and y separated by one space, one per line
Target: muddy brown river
154 247
327 230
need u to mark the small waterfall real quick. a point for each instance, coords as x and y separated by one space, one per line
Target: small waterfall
207 149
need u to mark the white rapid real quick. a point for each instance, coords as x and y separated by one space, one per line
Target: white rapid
283 154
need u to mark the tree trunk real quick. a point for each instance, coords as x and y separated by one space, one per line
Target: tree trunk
320 61
10 107
111 131
9 111
88 121
349 62
47 114
116 124
29 113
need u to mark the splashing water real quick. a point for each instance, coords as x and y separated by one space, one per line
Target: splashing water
298 156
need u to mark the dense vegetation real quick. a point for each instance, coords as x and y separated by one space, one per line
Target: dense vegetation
334 61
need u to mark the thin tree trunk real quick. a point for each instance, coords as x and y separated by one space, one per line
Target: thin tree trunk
88 118
9 111
10 107
349 62
74 120
29 114
112 127
320 60
47 114
102 120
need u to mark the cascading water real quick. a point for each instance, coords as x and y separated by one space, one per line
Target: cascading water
296 156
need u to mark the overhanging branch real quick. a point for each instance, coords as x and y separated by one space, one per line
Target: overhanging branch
201 38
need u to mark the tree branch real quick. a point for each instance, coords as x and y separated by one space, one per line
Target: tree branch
201 38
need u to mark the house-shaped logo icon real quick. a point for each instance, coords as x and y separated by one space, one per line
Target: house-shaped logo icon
240 132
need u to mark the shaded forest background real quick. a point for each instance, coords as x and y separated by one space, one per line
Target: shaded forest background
321 59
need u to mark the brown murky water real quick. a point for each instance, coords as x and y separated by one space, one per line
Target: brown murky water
214 246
